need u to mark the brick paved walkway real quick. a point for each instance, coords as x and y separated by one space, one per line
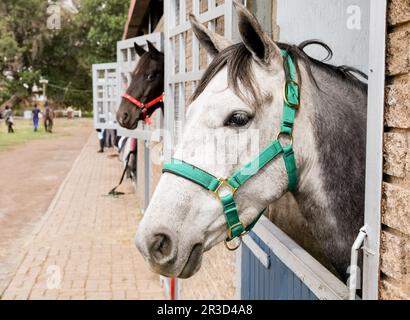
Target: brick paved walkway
83 247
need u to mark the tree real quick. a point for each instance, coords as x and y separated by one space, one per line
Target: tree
63 56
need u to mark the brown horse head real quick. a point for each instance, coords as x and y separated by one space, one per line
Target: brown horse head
147 83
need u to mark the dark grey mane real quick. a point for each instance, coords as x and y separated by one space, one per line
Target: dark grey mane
238 60
344 72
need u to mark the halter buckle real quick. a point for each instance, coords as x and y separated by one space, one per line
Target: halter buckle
223 182
285 93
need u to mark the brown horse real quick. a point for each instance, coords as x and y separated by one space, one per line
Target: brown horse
147 84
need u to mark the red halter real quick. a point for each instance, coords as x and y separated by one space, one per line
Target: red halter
145 106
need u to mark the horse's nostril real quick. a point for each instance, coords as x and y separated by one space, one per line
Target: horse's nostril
125 117
161 248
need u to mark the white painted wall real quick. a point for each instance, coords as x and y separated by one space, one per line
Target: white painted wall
342 24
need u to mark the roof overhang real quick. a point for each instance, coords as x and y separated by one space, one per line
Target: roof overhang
136 13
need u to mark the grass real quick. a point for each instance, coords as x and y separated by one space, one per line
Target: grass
24 131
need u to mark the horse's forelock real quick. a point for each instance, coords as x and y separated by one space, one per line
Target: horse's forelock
143 63
241 77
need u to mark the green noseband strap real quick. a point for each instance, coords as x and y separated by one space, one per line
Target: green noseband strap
225 188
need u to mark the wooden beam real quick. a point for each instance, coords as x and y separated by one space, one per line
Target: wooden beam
136 14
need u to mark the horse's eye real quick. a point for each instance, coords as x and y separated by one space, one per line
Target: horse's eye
150 77
238 119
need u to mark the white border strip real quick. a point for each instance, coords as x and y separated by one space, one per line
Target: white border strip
374 153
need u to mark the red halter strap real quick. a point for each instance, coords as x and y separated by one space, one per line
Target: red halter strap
143 106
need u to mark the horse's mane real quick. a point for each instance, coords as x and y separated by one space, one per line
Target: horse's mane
238 60
346 72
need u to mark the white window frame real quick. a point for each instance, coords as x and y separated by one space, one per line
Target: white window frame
110 95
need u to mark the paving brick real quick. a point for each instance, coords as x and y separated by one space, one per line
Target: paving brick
217 263
37 294
84 251
118 295
72 253
99 295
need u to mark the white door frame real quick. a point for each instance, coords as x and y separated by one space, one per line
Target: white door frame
374 150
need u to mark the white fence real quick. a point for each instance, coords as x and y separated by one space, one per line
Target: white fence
182 71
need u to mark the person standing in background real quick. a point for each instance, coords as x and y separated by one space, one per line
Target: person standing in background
8 117
110 136
35 113
48 118
101 138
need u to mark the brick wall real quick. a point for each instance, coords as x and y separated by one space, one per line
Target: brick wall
395 236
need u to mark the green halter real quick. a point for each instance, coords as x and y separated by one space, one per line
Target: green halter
225 188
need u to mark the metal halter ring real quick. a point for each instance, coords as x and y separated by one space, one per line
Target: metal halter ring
285 93
290 136
223 182
239 239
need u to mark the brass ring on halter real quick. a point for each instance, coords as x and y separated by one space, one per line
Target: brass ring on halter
235 247
223 182
285 93
290 136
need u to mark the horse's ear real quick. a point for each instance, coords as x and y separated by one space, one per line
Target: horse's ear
151 48
139 50
211 41
256 41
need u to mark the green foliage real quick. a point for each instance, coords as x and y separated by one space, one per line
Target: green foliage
105 26
29 49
